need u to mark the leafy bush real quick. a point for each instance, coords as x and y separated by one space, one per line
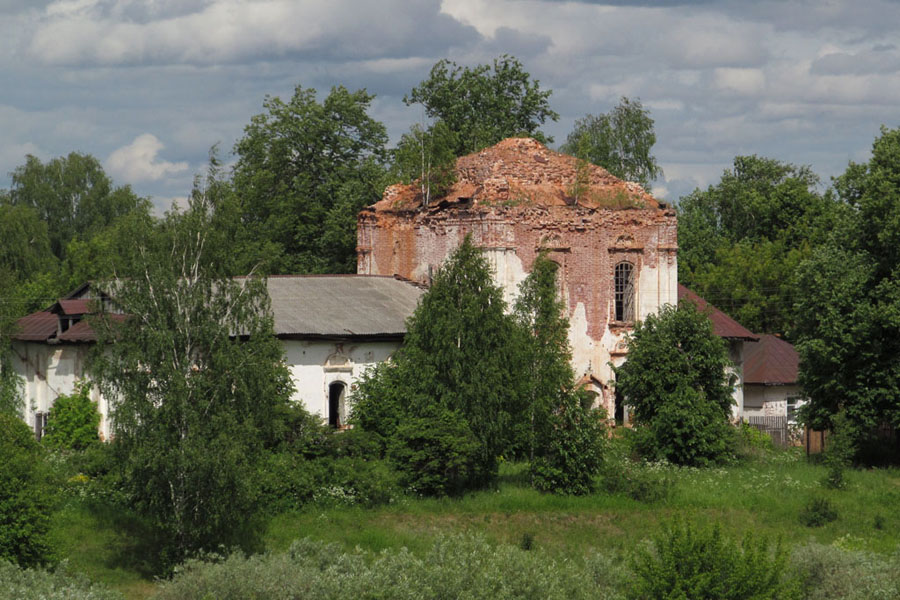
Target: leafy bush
25 495
57 584
751 443
572 455
676 383
829 572
73 420
818 512
685 562
455 567
436 453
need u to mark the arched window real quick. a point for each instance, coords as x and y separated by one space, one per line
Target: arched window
624 291
336 393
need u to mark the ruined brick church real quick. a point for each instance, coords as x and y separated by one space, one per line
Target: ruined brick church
614 244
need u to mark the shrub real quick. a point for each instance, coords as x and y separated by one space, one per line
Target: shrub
436 453
818 512
58 584
25 495
752 443
455 567
685 562
676 384
73 420
829 572
572 455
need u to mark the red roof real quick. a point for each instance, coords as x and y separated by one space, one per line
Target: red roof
723 325
36 327
74 307
772 361
79 332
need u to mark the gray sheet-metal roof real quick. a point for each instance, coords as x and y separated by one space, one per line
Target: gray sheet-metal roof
341 305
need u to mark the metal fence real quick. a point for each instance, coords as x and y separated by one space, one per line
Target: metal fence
776 428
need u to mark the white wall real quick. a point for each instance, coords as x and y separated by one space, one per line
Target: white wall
49 371
314 365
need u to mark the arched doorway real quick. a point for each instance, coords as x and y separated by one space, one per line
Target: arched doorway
337 392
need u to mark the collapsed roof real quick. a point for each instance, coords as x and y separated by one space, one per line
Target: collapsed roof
523 172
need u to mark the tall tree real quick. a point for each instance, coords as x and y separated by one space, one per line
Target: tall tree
564 432
740 240
304 171
198 378
456 370
676 385
620 141
72 195
486 103
847 305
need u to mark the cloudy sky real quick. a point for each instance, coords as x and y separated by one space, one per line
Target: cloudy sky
148 86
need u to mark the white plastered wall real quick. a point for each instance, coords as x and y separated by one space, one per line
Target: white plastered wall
315 365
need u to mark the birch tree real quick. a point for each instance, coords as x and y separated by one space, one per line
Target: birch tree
197 381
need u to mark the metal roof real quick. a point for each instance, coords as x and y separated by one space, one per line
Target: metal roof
36 327
341 305
302 305
723 325
772 361
80 306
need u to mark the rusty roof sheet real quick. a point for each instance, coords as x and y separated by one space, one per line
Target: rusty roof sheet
342 305
79 306
771 361
522 171
36 327
723 325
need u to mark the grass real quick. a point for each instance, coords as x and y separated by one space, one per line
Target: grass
763 497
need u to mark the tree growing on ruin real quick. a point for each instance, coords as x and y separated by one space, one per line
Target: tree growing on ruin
620 141
486 103
677 388
426 156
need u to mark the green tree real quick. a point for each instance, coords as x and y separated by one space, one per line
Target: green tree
677 388
741 240
200 385
564 433
547 374
620 141
304 171
458 358
427 156
72 195
73 420
25 495
847 306
484 104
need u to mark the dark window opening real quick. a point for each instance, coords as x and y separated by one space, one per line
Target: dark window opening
619 409
336 393
40 424
624 291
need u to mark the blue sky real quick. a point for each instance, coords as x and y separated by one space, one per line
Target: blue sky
149 86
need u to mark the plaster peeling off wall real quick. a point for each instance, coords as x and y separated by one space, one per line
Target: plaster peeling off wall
508 272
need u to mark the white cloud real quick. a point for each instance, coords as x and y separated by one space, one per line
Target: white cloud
138 161
747 82
78 32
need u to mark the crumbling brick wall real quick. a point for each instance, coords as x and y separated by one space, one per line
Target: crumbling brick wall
517 199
